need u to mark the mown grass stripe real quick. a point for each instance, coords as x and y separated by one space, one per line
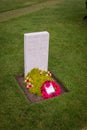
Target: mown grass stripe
23 11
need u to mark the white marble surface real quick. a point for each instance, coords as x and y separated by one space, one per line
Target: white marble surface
36 50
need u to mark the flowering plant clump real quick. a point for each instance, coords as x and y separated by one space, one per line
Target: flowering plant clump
41 83
34 80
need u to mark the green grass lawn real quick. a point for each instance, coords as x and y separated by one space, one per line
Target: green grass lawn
67 60
6 5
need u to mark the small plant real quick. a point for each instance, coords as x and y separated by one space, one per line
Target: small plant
34 80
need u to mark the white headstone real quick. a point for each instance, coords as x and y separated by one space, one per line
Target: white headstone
36 47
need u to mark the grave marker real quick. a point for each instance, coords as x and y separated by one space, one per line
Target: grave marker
36 48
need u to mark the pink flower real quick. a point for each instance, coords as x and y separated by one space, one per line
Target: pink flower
27 86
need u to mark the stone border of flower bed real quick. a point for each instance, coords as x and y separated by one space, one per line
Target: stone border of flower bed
32 98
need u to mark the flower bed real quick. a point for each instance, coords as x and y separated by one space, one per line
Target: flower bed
42 84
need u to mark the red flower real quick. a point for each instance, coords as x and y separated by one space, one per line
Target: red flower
29 85
49 74
27 80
